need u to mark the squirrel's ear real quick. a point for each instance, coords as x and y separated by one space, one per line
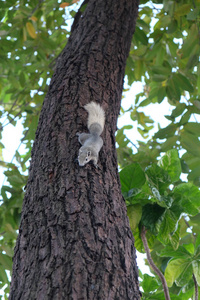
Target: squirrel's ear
89 153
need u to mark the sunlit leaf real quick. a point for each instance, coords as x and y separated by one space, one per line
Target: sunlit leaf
31 30
178 269
33 18
134 213
187 195
170 162
64 4
181 252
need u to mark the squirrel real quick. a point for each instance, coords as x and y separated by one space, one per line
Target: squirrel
92 142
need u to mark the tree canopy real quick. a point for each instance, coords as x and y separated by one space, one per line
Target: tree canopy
164 56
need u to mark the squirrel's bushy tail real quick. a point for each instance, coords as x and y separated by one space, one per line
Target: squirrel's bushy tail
96 115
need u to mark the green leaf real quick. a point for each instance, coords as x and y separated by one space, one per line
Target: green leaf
139 69
168 229
190 42
160 56
134 214
178 110
141 36
136 195
121 138
185 118
182 10
186 274
193 128
197 242
3 275
172 26
131 177
138 242
183 82
159 77
189 248
161 94
170 143
187 196
149 283
173 90
181 252
158 178
190 143
179 270
161 70
22 79
196 270
192 15
6 261
152 217
170 162
166 132
165 21
164 201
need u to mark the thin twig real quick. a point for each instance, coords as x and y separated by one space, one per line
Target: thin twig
133 144
152 265
196 287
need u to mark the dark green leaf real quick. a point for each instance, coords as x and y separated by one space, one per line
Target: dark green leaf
183 82
141 36
178 110
131 177
152 217
166 132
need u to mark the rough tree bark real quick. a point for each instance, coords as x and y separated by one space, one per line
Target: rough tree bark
74 239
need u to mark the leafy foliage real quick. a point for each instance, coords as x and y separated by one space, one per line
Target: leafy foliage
162 209
164 56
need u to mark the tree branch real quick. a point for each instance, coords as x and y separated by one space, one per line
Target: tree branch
152 265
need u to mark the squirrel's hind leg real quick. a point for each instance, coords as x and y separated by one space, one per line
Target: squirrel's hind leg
82 137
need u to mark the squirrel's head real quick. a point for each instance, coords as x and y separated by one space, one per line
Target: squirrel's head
85 155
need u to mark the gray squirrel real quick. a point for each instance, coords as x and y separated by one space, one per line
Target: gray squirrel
91 142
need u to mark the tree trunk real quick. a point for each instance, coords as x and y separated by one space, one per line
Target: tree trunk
74 239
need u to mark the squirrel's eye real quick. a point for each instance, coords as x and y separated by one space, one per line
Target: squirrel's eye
89 153
86 159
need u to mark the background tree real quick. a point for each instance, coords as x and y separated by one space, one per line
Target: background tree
164 55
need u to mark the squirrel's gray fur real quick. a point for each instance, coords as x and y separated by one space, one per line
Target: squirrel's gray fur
92 142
